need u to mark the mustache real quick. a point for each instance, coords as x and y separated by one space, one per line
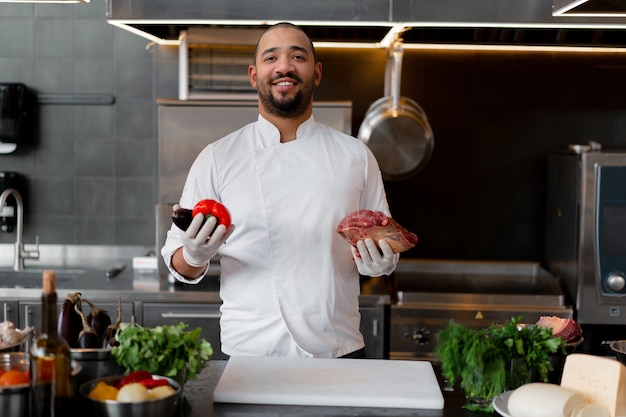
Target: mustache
287 75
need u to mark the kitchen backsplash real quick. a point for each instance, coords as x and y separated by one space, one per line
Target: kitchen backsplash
92 169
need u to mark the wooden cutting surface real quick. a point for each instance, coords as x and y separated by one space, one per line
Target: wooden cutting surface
336 382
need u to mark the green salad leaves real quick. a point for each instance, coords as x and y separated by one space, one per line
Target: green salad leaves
486 362
163 350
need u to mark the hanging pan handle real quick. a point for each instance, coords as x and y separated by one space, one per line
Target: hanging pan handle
396 53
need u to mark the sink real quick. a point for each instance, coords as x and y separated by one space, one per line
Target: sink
32 278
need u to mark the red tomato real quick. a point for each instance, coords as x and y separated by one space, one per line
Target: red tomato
213 208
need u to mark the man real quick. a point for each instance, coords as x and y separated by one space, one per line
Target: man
289 283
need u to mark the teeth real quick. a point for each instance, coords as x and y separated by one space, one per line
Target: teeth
285 83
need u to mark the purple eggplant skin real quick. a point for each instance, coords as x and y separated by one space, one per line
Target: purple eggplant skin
69 323
182 218
108 338
87 338
98 319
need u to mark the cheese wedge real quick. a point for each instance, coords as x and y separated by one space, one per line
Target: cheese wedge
540 399
601 380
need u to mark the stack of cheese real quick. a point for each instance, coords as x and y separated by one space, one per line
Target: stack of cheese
591 386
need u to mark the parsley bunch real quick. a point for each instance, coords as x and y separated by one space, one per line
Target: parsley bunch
487 362
527 346
163 350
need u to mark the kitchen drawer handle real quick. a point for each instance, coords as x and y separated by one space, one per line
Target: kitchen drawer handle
191 315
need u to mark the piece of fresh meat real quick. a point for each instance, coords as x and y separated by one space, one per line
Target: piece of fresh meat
568 329
9 335
377 225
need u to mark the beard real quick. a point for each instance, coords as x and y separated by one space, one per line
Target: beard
284 106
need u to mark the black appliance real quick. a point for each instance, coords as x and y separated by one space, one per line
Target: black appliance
16 108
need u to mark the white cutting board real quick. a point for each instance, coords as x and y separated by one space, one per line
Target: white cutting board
332 382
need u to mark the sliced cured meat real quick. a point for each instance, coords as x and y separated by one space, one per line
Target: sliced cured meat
377 225
568 329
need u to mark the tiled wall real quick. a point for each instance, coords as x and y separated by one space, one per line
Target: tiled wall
91 169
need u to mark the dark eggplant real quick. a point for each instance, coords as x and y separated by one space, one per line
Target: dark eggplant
69 324
98 318
108 338
87 338
182 218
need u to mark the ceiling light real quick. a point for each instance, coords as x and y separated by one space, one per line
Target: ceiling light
589 8
45 1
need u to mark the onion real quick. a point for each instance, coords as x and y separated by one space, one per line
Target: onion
133 393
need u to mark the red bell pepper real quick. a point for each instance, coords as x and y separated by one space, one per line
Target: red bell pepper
213 208
134 376
153 383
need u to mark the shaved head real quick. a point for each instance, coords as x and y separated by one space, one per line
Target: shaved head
284 25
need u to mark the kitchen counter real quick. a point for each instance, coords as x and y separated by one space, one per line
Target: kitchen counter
148 297
199 403
83 268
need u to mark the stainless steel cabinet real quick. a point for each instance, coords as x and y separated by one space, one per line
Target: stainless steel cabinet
9 311
375 330
205 316
374 323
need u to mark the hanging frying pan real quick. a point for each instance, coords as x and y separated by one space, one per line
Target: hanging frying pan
395 128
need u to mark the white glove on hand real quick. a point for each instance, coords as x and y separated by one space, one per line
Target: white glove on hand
369 260
200 242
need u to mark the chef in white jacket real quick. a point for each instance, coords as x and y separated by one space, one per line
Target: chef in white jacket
289 282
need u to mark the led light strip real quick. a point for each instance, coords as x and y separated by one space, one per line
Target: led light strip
45 1
395 32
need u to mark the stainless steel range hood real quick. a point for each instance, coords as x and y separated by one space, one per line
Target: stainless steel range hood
523 22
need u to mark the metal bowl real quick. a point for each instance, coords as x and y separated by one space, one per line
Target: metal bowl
95 363
619 348
14 399
161 407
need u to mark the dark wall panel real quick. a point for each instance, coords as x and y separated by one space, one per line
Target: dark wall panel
495 117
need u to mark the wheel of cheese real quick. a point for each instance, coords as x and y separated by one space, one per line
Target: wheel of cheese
540 399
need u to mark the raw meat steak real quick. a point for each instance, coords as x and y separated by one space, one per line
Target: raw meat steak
377 225
568 329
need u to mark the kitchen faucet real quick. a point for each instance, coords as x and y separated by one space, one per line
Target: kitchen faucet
20 253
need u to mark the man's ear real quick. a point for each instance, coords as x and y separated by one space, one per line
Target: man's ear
252 76
318 73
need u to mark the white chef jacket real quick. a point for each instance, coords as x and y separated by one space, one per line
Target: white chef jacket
288 282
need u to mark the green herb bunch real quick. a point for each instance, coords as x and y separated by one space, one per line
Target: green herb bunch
529 347
486 362
163 350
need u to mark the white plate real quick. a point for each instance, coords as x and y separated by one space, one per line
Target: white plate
501 404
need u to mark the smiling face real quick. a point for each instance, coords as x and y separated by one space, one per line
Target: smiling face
285 73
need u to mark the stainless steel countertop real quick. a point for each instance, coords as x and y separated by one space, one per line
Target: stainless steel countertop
82 268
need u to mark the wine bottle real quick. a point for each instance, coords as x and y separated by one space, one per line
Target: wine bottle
50 361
